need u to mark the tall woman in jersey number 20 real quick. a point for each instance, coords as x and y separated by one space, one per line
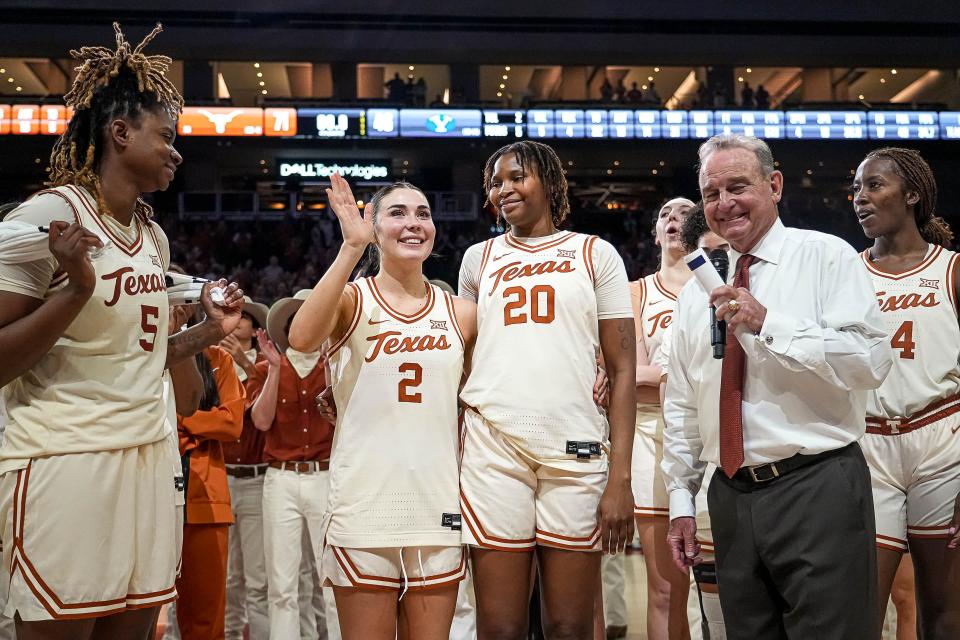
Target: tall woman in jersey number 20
397 345
539 472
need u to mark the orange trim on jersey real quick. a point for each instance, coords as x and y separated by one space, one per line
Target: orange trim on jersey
952 282
641 287
448 299
59 279
650 512
516 244
572 543
153 237
661 288
588 258
128 248
42 591
481 536
593 534
928 415
926 262
487 249
76 214
402 317
889 542
357 314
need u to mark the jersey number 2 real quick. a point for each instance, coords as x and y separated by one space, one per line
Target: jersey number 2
903 340
541 305
403 392
148 313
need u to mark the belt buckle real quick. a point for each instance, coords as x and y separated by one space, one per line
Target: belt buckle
772 466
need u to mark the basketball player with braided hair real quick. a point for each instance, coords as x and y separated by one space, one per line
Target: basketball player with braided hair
912 418
543 470
87 488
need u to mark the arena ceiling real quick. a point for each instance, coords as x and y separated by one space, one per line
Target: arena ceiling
691 32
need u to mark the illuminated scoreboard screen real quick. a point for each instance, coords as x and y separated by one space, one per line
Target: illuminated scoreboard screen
332 123
336 123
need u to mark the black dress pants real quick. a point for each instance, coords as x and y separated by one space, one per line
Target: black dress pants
796 556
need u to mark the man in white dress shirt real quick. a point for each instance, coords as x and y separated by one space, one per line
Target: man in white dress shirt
780 414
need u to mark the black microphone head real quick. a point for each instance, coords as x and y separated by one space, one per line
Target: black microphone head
720 262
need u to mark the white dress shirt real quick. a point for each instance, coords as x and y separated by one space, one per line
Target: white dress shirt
822 346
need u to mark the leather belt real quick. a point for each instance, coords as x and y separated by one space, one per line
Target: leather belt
928 415
246 470
761 473
300 466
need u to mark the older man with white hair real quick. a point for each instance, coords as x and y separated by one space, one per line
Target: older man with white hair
780 414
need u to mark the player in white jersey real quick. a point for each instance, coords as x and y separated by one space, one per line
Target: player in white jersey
653 298
912 418
87 491
397 347
536 454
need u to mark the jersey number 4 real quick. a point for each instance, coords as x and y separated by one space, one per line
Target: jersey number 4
539 310
903 340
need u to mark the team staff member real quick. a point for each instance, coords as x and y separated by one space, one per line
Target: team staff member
87 494
392 548
790 507
538 472
297 450
912 417
202 583
246 468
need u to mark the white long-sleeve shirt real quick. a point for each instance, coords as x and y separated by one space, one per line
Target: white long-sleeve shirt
822 346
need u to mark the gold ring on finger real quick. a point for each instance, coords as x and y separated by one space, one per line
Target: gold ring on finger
734 305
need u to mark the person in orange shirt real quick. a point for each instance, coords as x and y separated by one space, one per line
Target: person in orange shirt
202 583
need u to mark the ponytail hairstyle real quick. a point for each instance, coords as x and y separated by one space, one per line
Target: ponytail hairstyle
543 161
211 395
917 176
371 259
110 84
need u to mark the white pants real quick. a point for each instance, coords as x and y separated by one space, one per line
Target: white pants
613 574
293 503
246 567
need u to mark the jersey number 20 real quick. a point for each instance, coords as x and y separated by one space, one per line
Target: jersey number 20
541 307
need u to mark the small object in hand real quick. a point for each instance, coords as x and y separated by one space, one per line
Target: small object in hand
734 306
216 294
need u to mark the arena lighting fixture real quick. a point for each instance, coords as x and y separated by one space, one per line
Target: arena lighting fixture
410 68
264 92
499 94
749 70
860 97
883 81
262 83
644 87
653 171
739 78
506 68
19 88
503 86
2 70
649 78
9 79
656 69
663 163
256 65
609 172
616 163
809 172
360 203
259 74
893 71
505 77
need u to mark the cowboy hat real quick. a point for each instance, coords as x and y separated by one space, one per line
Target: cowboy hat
256 310
281 311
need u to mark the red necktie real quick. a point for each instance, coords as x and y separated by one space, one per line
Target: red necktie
731 388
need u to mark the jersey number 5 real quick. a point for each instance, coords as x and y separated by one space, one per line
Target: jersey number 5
541 305
148 313
403 393
903 340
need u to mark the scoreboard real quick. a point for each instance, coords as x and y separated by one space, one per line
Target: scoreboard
581 124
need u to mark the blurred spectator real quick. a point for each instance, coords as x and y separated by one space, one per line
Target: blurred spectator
396 89
652 96
410 90
437 101
606 90
746 97
420 92
634 94
719 99
763 98
620 91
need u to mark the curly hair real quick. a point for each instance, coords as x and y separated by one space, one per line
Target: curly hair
110 84
693 228
917 176
543 160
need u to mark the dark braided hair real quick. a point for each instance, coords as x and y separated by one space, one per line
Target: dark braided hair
917 176
693 228
211 394
543 160
109 85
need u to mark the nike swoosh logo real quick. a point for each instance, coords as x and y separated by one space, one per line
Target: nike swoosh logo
956 428
653 302
503 255
378 321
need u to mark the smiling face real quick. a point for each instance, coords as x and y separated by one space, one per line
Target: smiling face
669 221
404 225
881 199
739 202
518 193
146 148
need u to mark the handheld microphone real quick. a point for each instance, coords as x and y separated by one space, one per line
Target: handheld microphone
718 330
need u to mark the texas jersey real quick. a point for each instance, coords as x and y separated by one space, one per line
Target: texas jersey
653 307
394 475
535 361
920 311
100 386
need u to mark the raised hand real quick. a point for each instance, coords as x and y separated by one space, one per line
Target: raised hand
357 228
69 244
268 349
226 315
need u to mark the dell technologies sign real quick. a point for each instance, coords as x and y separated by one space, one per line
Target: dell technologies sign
323 169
